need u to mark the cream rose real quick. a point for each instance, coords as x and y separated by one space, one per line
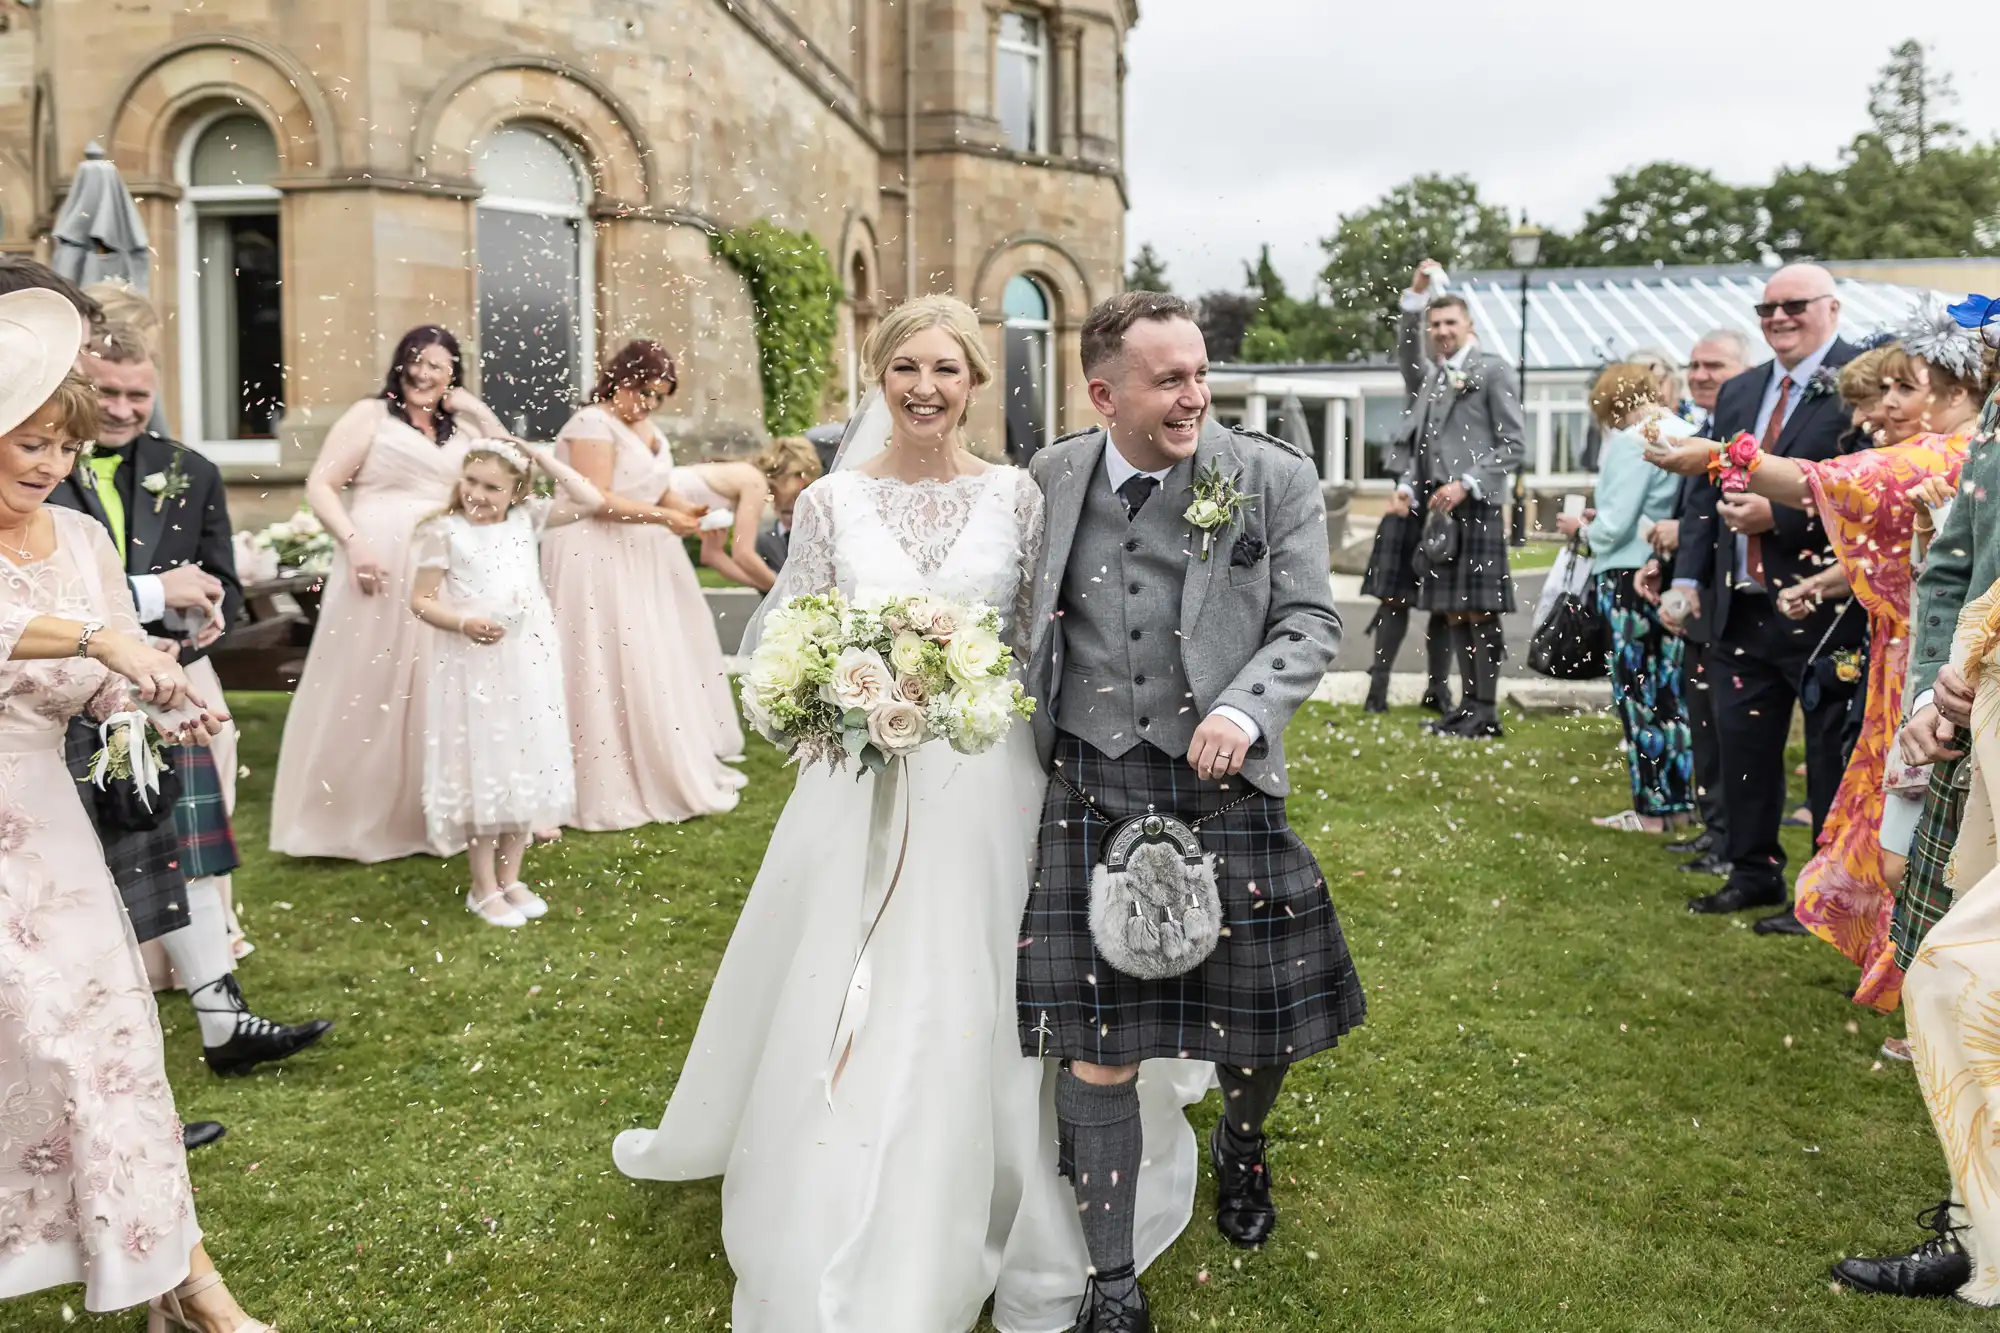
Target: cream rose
777 669
971 656
861 679
915 689
1205 514
896 726
907 653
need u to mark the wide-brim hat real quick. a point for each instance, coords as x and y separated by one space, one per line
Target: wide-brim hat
40 335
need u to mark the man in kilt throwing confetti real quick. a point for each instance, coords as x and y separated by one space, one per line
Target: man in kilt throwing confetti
1182 614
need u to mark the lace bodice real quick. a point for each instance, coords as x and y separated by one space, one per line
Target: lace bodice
80 580
971 539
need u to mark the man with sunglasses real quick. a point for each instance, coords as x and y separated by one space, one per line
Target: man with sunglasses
1736 553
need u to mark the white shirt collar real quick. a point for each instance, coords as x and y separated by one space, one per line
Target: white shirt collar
1456 361
1119 468
1802 373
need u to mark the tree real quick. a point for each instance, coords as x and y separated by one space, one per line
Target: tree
1373 252
1149 272
1906 104
1285 328
1224 318
1669 213
1907 188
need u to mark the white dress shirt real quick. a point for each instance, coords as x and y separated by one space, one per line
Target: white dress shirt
1117 471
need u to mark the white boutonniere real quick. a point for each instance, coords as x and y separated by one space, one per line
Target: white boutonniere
164 486
1217 503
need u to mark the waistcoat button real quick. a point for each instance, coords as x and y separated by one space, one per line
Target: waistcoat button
1138 680
1278 664
1136 635
1131 545
1133 587
1257 688
1145 721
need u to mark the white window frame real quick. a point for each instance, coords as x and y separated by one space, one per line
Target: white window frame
1047 328
586 252
1040 55
196 202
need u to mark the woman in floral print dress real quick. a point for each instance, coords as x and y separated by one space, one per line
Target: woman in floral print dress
93 1177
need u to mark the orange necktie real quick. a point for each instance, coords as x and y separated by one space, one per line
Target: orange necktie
1753 544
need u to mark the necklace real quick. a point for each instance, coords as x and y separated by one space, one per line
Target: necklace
15 542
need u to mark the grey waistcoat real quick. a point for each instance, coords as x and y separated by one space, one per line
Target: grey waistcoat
1122 679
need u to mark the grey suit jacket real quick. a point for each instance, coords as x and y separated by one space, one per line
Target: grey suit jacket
1255 636
1477 431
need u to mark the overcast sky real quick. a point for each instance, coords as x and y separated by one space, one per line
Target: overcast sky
1263 120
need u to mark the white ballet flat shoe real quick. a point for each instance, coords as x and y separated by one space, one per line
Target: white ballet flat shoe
526 901
495 910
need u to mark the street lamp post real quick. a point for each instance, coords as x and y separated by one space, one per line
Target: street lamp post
1524 247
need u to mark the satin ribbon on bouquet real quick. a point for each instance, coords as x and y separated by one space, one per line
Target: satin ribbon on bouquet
141 758
878 887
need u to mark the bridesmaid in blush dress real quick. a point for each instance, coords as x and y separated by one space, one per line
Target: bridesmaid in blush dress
651 716
351 767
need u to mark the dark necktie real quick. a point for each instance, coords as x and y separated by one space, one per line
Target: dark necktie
1136 490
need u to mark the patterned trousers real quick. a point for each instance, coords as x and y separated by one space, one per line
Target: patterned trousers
1647 678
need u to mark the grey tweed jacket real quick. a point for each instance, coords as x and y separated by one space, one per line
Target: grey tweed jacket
1475 429
1256 636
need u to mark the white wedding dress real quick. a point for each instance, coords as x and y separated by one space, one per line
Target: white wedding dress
925 1178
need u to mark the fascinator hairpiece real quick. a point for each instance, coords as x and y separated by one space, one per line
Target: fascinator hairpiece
1940 335
1981 313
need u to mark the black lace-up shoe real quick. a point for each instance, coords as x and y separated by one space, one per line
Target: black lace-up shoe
1935 1269
1243 1208
256 1041
1113 1303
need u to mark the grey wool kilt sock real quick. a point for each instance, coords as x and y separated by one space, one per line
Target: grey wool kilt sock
1103 1146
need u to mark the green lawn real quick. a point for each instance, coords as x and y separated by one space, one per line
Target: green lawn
1535 556
1574 1107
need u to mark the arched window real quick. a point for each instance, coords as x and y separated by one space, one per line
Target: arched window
535 315
1031 367
233 347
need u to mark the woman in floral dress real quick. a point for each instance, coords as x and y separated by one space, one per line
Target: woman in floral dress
93 1177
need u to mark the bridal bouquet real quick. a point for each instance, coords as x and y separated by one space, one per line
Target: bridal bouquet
300 542
830 681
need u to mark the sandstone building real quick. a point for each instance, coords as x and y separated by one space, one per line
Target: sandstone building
542 176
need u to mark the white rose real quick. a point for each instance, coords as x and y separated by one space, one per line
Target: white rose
306 523
1205 514
907 653
777 669
971 656
154 482
981 715
896 726
861 679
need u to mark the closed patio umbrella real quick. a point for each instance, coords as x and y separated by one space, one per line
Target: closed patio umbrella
98 234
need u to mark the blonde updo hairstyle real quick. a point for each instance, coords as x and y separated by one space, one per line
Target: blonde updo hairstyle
1622 389
912 317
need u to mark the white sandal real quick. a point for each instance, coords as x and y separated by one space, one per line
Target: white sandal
1626 821
495 910
165 1313
533 909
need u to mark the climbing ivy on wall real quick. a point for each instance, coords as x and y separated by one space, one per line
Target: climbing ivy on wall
796 293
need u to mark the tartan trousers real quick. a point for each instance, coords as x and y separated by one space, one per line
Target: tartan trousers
1280 985
1925 897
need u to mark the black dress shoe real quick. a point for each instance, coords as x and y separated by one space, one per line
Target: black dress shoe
1708 863
1700 843
1437 701
1780 923
1243 1208
256 1041
1114 1303
201 1133
1935 1269
1448 724
1478 723
1738 897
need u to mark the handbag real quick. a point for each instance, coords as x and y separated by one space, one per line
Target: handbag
120 803
1155 908
1833 677
1574 642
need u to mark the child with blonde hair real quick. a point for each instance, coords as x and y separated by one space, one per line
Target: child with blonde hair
497 761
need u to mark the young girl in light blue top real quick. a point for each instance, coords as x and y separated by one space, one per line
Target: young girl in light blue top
1646 661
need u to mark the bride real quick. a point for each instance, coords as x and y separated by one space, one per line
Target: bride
893 1188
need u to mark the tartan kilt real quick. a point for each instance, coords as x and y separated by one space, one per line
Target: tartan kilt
201 820
145 866
1924 897
1393 563
1478 580
1280 985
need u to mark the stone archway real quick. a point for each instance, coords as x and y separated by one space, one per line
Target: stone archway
1040 257
476 98
189 78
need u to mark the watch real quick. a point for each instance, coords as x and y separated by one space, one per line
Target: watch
83 640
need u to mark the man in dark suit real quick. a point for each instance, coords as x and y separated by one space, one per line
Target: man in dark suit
1736 553
167 514
1718 358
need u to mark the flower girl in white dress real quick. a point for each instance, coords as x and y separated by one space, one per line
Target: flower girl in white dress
896 1187
497 759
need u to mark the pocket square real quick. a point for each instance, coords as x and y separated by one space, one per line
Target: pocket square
1249 549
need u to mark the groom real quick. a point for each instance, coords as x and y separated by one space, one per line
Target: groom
1169 659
